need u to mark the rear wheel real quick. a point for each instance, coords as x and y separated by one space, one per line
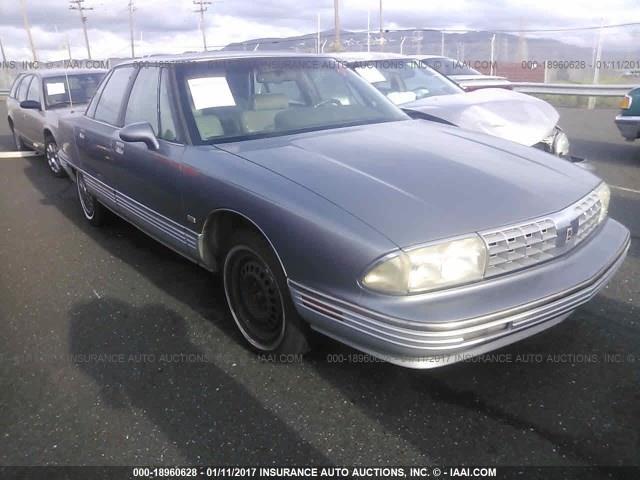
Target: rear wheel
92 209
51 153
259 299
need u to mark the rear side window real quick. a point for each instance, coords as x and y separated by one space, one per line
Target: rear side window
23 88
91 109
110 102
14 87
143 101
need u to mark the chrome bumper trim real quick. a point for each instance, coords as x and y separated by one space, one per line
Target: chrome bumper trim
425 340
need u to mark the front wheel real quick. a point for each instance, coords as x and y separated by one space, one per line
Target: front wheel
259 299
51 153
94 212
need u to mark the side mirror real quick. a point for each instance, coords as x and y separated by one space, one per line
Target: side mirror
140 132
30 105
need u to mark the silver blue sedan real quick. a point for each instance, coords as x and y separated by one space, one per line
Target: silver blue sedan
324 207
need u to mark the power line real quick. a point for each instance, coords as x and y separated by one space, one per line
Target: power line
79 5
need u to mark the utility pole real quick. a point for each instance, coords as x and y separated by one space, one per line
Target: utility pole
132 9
381 29
202 7
79 5
68 47
442 44
27 27
336 15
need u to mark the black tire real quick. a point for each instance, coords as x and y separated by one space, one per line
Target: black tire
259 299
17 141
94 212
51 154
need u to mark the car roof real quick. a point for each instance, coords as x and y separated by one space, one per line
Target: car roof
369 56
60 72
217 55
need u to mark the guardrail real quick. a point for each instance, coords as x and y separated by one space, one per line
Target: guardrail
573 89
4 92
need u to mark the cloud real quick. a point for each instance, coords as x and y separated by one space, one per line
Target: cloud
172 26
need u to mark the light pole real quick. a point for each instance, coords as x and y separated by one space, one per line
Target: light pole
381 29
79 5
132 9
336 16
27 27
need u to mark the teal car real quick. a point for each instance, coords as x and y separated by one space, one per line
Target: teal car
628 121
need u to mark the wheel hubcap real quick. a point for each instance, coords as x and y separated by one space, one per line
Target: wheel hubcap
255 299
52 157
86 199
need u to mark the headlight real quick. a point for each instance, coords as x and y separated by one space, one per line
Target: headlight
427 268
561 144
625 103
605 196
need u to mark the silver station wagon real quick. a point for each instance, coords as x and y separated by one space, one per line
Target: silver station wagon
325 207
37 100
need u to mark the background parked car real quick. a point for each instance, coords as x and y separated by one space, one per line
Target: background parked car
39 99
628 120
424 93
465 76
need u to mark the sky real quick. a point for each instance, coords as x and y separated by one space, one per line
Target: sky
171 26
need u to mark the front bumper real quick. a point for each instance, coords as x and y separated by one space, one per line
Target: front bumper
439 328
629 126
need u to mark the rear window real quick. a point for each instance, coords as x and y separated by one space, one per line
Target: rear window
70 89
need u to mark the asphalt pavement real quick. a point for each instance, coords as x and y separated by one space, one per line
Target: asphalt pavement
116 351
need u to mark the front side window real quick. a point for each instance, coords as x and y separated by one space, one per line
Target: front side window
34 90
70 89
404 81
143 101
110 102
248 98
24 87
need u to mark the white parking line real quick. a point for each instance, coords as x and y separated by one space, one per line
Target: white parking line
625 189
18 154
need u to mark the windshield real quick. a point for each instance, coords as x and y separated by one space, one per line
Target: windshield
449 66
64 90
249 98
404 81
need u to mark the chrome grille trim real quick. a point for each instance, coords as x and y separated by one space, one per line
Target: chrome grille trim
530 243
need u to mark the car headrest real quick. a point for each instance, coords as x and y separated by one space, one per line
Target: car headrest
271 101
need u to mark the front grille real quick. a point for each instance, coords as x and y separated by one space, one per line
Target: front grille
589 211
526 244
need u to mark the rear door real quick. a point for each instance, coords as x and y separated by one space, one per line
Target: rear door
148 180
97 134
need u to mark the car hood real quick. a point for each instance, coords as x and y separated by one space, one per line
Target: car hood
416 181
503 113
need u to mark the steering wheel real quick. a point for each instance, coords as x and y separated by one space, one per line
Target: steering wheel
329 101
